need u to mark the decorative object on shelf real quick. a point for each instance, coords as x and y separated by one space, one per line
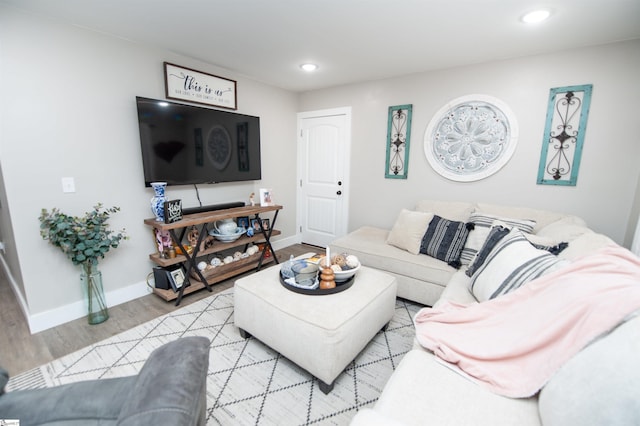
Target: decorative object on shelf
243 221
199 87
228 238
192 236
84 240
471 138
225 227
172 211
252 200
157 201
162 240
398 138
266 197
265 224
567 113
176 279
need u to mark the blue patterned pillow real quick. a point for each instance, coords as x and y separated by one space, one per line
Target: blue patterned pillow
445 240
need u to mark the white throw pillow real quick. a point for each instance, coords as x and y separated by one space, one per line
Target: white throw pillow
409 229
511 263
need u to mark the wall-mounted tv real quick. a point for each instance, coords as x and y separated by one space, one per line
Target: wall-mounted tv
184 144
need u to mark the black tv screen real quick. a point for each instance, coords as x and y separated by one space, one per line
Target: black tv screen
184 144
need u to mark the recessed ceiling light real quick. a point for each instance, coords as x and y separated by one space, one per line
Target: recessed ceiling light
309 67
535 16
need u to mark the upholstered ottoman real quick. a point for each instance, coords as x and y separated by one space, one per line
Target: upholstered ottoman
321 334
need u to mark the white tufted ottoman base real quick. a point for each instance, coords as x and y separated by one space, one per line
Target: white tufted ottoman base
321 334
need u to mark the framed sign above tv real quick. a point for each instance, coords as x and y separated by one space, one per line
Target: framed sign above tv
199 87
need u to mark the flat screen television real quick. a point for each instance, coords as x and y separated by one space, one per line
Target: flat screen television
184 144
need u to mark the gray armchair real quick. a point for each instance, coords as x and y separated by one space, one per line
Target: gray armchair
169 390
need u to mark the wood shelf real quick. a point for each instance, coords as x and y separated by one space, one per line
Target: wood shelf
210 217
218 247
196 285
222 272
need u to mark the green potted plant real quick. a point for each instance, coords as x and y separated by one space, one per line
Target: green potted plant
84 240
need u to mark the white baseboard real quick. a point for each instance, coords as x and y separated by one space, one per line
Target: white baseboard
54 317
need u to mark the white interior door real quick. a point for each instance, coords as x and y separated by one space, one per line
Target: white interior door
324 144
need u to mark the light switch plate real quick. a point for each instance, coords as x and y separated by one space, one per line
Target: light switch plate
68 184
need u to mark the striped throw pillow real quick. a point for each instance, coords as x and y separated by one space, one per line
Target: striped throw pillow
481 225
444 240
512 262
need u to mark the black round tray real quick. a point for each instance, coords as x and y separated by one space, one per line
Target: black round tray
341 286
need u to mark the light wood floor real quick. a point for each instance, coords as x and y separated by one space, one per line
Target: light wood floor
21 351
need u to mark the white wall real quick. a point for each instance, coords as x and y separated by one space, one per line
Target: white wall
68 109
609 171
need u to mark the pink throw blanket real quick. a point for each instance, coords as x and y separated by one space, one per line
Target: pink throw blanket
514 344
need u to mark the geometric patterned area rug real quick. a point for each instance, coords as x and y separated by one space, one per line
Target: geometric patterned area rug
248 383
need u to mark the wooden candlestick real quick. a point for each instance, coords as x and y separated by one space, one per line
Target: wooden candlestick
327 278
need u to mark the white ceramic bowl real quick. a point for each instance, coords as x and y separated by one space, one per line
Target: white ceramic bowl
345 275
228 238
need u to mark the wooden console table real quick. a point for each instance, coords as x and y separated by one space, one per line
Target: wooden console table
194 278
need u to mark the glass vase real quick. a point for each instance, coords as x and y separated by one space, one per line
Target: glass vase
91 280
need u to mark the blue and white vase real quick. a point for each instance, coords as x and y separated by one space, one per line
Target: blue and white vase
157 202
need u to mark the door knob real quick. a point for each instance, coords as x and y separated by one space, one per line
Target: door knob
339 193
339 182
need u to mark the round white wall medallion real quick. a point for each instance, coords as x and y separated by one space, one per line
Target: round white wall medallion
470 138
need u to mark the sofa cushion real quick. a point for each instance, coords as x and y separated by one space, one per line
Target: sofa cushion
454 210
482 223
565 229
368 243
541 218
457 291
445 240
585 244
424 391
580 394
408 230
512 262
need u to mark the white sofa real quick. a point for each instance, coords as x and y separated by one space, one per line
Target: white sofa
423 278
423 391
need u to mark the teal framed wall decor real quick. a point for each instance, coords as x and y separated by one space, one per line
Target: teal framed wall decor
398 138
567 113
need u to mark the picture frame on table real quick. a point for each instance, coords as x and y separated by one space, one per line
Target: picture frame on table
266 197
162 241
243 222
266 223
255 224
176 279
